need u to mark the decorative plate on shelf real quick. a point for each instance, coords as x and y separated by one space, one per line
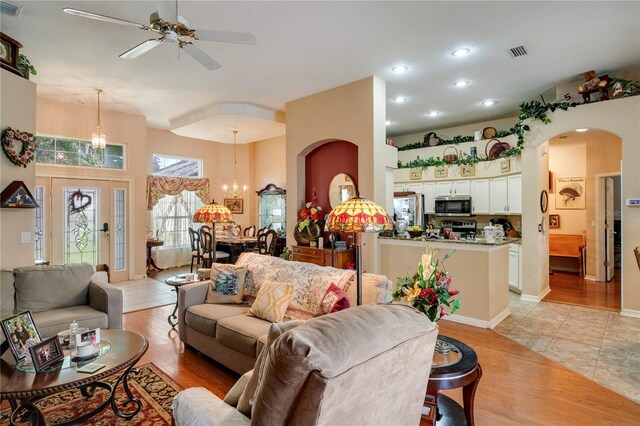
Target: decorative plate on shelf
489 132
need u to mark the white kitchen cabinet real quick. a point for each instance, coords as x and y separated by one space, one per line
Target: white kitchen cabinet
498 193
515 267
415 187
480 196
430 197
514 184
444 188
399 187
461 187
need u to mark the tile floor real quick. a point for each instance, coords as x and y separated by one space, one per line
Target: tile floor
598 344
144 294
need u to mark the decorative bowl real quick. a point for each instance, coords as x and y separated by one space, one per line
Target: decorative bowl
415 234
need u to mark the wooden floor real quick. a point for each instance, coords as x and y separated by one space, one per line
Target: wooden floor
518 387
575 290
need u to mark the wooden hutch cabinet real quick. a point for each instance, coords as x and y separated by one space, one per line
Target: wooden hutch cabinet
322 256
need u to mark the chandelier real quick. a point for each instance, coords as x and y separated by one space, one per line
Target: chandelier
98 139
233 190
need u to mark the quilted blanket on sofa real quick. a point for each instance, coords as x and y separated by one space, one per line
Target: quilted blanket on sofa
311 281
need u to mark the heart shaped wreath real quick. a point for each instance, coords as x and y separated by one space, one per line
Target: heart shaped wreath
28 151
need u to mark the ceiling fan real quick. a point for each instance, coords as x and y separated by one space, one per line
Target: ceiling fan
173 29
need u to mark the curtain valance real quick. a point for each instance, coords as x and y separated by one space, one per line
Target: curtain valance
159 186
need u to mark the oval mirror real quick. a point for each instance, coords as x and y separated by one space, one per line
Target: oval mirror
341 189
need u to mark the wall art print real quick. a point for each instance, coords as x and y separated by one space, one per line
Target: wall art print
570 193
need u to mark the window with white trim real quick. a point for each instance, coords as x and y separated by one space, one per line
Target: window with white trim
78 153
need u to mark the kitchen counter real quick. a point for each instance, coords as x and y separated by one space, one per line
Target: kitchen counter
477 241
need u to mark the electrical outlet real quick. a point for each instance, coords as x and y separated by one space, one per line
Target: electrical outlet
25 237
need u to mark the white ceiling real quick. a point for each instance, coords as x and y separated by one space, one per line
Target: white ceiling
307 47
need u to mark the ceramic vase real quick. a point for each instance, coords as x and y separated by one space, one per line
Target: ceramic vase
308 234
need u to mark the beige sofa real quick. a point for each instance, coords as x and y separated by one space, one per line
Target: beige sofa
58 295
229 335
367 365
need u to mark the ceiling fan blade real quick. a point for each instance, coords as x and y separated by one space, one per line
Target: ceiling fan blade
104 18
201 57
143 47
226 36
168 10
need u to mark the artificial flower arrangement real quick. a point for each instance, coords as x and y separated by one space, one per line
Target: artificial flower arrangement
429 289
312 213
23 156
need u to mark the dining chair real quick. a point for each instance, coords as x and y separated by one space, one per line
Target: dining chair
250 231
206 243
267 242
196 253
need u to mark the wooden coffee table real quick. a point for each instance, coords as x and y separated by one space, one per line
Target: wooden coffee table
23 388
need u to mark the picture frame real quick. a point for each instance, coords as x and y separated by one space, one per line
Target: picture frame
467 170
554 221
235 205
25 331
415 173
570 193
46 353
440 172
505 166
92 336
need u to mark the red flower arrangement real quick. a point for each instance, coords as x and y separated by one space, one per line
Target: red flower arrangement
312 213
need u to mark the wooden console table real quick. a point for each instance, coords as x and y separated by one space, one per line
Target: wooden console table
322 256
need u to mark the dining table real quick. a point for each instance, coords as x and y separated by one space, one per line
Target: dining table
235 246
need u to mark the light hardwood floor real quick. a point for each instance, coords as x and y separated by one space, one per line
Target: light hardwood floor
518 387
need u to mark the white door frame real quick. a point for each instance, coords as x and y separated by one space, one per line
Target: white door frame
599 215
132 225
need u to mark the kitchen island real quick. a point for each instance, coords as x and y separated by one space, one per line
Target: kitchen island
480 270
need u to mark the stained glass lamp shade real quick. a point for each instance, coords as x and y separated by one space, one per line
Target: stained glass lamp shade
358 215
213 213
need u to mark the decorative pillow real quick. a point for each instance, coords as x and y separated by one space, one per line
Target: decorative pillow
227 284
334 300
272 301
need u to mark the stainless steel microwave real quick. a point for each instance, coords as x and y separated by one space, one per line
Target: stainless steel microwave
457 205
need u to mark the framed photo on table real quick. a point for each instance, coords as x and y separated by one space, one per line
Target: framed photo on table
235 205
21 333
46 353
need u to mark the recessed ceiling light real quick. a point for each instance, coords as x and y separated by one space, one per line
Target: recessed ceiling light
399 69
433 114
399 99
581 130
387 123
463 51
488 102
461 83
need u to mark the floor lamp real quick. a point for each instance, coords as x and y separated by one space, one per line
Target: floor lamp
213 213
358 215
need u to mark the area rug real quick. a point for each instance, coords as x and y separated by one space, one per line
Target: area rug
151 386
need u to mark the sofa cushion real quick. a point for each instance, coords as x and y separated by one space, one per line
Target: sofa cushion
42 288
241 333
204 317
7 294
56 320
227 284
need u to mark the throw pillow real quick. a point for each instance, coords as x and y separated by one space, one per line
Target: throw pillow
227 284
334 300
272 301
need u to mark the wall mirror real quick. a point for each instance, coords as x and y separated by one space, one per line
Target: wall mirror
341 189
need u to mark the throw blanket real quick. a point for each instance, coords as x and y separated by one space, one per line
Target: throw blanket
311 281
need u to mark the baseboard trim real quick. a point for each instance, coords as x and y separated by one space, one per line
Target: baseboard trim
591 277
544 292
532 298
467 320
139 277
630 313
498 318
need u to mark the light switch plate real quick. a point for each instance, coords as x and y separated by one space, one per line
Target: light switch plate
25 237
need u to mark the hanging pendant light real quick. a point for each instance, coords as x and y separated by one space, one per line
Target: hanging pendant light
234 191
98 139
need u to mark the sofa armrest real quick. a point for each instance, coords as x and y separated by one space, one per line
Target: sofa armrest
107 298
199 407
188 295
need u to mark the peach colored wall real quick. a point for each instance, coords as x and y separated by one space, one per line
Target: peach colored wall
269 160
17 110
568 159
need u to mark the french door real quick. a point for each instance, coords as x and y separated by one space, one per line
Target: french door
87 221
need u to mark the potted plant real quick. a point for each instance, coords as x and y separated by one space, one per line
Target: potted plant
25 66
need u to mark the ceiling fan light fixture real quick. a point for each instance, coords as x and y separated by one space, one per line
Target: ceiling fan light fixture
98 138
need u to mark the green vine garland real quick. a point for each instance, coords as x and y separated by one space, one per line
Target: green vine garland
27 153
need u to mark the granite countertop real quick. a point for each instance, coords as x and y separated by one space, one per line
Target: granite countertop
477 241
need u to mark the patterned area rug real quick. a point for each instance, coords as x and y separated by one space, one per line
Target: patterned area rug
154 389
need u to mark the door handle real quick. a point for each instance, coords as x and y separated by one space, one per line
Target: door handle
105 229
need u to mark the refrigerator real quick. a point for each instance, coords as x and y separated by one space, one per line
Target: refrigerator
409 207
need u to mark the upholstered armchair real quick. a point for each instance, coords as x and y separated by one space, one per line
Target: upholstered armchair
364 365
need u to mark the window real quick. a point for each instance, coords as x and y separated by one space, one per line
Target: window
173 215
79 153
39 233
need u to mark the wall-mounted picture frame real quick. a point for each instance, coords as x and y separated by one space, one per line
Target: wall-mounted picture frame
21 333
235 205
415 173
467 170
46 353
570 193
440 172
554 221
505 166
